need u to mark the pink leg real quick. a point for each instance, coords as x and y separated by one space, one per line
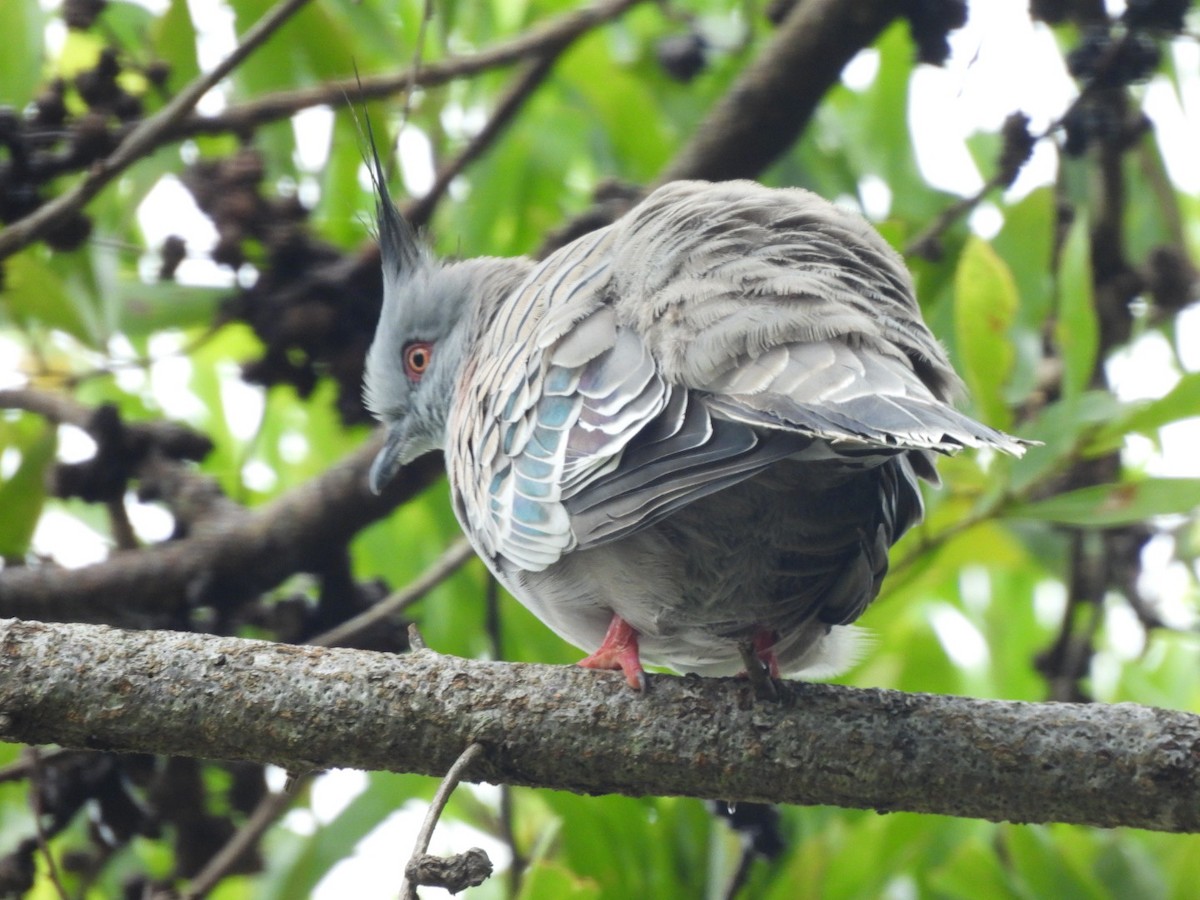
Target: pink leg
764 648
619 650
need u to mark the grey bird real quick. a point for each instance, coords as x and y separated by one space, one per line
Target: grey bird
688 438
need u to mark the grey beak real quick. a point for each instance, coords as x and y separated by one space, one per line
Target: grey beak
389 460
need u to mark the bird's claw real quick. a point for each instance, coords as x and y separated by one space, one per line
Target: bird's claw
762 666
619 650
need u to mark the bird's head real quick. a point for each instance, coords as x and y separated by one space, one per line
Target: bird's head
423 335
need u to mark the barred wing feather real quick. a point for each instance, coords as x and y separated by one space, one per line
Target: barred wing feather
713 331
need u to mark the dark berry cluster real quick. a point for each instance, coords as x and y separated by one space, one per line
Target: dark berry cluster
46 140
1091 120
313 307
683 56
1110 56
127 795
1158 15
931 22
1016 149
120 449
1106 57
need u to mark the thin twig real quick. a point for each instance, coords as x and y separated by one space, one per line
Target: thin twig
436 806
516 869
414 71
1017 150
247 116
742 875
35 772
269 809
416 641
442 568
54 406
143 138
925 243
172 122
24 766
414 75
535 73
122 528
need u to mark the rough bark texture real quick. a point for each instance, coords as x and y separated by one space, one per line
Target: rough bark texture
567 728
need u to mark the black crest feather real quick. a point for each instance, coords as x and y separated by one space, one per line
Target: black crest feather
399 246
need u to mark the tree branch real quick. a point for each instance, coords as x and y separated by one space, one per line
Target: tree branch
408 887
571 729
233 559
265 814
172 122
774 97
536 42
147 135
419 211
766 109
162 473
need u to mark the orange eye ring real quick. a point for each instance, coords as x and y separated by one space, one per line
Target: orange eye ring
417 357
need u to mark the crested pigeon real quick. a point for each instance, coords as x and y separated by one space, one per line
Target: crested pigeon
688 438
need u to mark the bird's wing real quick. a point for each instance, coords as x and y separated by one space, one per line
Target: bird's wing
788 312
711 332
565 434
857 399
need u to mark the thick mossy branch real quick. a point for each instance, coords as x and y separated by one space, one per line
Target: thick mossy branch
561 727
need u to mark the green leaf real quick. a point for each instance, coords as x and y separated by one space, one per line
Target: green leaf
1026 243
127 23
165 305
1077 329
1181 402
21 23
1039 865
1116 504
22 495
985 148
550 879
174 37
316 854
34 292
80 51
985 304
1063 428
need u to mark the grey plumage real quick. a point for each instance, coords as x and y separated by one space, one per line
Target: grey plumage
705 421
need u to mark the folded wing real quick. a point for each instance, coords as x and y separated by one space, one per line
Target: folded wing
714 331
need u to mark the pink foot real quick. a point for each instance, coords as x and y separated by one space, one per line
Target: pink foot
619 650
764 648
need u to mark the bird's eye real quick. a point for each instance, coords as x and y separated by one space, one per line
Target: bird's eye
417 357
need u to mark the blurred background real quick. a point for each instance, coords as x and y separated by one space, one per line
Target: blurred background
182 353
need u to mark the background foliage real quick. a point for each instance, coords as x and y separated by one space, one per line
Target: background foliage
1070 574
